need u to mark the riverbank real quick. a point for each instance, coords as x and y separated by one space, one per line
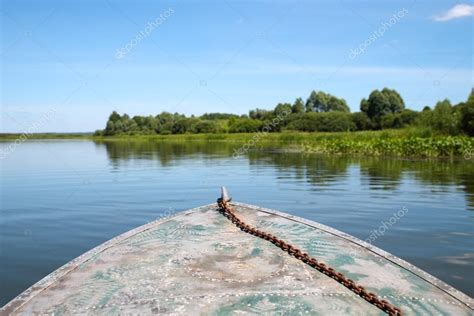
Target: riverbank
24 136
409 143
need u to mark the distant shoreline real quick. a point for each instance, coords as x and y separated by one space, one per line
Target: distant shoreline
13 136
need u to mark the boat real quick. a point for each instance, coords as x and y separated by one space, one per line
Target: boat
234 258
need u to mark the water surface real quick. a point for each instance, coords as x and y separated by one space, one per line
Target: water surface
60 198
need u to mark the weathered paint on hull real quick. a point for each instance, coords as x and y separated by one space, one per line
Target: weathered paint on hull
197 262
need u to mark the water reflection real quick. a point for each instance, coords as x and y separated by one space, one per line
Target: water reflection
167 153
318 170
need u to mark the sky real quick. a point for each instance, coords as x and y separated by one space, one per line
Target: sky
66 65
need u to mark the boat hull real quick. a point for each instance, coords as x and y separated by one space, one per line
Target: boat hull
197 262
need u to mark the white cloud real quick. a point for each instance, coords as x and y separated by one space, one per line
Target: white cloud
456 12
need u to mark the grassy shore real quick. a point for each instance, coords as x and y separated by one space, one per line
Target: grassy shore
14 136
395 143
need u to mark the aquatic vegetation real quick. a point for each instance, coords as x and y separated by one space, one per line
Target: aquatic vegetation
441 146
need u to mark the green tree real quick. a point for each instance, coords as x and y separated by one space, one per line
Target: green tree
337 105
364 106
217 116
304 122
245 125
182 125
110 128
165 117
361 121
298 106
398 120
165 122
151 124
126 122
394 99
282 109
114 117
259 114
408 117
336 121
325 102
118 127
381 103
138 120
445 119
467 116
206 126
322 122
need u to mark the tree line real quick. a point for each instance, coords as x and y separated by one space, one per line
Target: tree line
321 112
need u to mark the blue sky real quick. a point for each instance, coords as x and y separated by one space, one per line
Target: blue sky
61 57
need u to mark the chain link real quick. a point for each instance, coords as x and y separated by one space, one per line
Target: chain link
370 297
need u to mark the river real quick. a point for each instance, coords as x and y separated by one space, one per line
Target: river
60 198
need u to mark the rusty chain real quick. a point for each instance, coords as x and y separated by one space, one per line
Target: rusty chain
370 297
